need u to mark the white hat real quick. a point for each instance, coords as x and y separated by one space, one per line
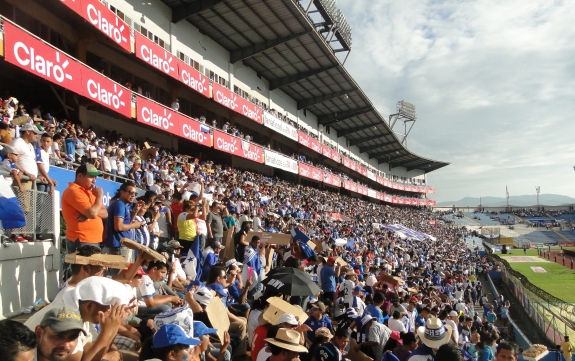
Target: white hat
453 314
352 313
232 262
181 316
434 333
288 318
365 319
102 290
288 340
203 296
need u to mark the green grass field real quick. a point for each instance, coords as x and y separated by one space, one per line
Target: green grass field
558 281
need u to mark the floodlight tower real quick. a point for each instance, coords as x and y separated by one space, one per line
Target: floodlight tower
407 115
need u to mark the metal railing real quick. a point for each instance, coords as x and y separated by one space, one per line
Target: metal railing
553 315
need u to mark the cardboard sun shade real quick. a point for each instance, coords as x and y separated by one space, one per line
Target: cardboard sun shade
145 153
218 316
395 282
354 355
23 119
149 253
228 242
340 262
271 238
269 258
106 260
278 307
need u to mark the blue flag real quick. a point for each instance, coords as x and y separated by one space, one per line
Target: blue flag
298 235
11 214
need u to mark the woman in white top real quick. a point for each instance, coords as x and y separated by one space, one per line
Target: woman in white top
121 166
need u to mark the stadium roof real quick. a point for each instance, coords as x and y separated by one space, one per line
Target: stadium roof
280 42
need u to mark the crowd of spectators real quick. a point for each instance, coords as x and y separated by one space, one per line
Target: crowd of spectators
385 291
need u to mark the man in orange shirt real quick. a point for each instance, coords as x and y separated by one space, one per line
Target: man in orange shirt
83 210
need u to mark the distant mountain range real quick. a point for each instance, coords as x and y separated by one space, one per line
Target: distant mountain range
516 201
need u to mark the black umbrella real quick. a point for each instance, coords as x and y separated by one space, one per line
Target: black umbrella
291 282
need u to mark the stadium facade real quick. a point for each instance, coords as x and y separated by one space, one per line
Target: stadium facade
269 68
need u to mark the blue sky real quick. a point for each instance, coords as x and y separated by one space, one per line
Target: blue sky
493 83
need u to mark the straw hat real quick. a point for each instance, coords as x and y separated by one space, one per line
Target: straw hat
434 333
288 340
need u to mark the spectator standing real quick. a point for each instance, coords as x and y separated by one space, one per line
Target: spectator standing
258 222
83 210
187 227
43 162
328 274
24 147
9 165
215 223
121 221
566 348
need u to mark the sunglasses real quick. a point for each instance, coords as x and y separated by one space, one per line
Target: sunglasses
132 193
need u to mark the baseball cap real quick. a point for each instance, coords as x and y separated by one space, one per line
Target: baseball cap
62 319
203 296
174 244
7 150
396 336
453 314
139 272
331 260
219 289
358 289
365 319
169 335
102 290
32 128
319 305
232 262
88 169
201 329
288 318
217 245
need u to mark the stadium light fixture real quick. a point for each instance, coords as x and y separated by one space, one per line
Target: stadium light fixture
406 109
405 113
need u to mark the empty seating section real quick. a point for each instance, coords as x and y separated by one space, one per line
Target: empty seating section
540 237
482 218
568 234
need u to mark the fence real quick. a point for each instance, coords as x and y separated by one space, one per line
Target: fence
553 315
30 271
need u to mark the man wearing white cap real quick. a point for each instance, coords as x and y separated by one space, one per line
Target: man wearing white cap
100 301
432 335
452 320
378 335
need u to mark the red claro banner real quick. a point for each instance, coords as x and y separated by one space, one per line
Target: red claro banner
331 179
33 55
193 79
233 145
330 153
167 63
103 19
309 142
168 120
309 172
106 92
231 100
51 64
156 56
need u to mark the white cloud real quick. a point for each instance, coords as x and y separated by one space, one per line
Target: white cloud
492 83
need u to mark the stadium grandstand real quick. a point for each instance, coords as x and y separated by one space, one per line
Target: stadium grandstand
199 150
